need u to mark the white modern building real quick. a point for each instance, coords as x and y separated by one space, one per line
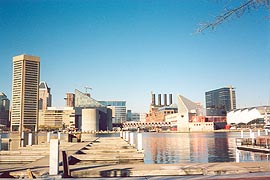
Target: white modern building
247 115
190 117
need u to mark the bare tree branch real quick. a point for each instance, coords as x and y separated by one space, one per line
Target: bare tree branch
229 13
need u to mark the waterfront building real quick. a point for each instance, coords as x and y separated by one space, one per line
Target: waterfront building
45 97
4 110
91 115
55 118
158 111
25 85
118 108
252 115
70 100
129 115
190 117
135 117
220 101
142 117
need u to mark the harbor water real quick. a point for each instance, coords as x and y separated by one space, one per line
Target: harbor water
173 148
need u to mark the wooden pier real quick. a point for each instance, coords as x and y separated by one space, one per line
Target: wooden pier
259 144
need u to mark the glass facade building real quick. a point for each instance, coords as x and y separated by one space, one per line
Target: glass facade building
119 110
4 109
220 100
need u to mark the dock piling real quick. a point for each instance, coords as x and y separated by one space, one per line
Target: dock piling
59 136
48 137
131 139
121 134
242 134
22 139
250 133
30 139
54 157
139 143
237 154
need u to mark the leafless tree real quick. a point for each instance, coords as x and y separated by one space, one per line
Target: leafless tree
238 11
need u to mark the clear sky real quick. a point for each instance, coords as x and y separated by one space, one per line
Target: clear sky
124 49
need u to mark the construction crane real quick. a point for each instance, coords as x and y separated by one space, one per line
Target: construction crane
86 88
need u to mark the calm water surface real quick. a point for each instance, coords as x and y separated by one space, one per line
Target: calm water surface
170 148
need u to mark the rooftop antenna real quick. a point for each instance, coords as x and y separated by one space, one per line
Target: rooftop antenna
86 88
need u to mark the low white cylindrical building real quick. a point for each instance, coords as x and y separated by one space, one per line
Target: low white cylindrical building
90 120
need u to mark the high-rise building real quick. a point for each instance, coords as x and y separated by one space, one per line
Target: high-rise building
4 110
119 110
220 101
25 92
45 97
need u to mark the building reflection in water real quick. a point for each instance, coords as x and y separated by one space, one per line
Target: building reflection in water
171 148
163 148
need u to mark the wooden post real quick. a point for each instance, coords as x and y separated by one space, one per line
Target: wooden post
66 171
0 142
259 132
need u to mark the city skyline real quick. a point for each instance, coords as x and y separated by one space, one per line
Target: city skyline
124 50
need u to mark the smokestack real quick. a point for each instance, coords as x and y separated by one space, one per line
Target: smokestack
153 99
165 99
170 99
159 99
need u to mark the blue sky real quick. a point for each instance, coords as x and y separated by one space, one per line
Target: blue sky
124 49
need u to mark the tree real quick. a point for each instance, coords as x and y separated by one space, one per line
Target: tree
238 11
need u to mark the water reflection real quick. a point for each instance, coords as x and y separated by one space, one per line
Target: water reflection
170 148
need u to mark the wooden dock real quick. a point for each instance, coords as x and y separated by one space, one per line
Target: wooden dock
259 144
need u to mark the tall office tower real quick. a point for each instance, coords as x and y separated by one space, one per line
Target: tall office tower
25 91
45 97
4 109
220 99
119 110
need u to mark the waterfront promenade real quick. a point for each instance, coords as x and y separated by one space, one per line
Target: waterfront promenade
113 157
